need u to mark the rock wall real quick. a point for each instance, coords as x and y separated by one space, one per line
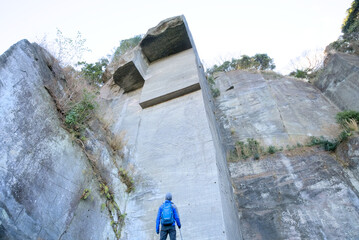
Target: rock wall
43 172
174 137
273 109
339 80
158 98
170 143
305 194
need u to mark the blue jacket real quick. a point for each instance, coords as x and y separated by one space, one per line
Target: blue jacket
175 214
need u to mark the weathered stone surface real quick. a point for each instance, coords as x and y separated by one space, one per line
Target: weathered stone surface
305 196
348 154
169 37
339 80
172 135
42 172
173 147
130 71
170 78
348 151
134 55
280 111
128 77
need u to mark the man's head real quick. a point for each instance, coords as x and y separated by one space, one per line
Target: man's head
169 196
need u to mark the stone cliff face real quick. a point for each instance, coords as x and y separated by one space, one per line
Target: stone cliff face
175 139
43 173
339 80
273 109
158 98
304 193
171 141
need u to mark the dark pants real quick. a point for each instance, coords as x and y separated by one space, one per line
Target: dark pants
168 230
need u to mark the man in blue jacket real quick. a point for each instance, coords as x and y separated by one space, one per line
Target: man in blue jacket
167 215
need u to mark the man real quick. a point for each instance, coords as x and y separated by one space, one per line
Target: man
168 215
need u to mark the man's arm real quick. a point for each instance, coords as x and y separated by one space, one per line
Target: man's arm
158 220
176 215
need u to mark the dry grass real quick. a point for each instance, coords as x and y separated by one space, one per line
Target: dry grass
127 180
117 142
76 86
351 125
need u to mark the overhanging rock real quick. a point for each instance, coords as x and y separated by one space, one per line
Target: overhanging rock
168 37
132 67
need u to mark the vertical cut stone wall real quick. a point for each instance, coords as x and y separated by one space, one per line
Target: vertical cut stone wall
173 143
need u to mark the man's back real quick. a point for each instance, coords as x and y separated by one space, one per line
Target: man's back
168 216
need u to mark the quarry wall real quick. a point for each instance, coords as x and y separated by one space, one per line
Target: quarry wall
170 144
175 138
299 193
273 109
43 172
339 80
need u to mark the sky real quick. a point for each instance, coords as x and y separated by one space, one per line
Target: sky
284 29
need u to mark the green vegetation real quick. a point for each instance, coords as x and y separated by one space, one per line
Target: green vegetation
349 41
113 209
127 180
308 65
344 117
300 73
85 194
215 92
329 144
78 106
349 121
272 149
93 71
104 190
351 22
252 148
256 62
80 112
126 45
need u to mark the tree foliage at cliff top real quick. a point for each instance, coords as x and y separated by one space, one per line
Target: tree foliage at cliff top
93 71
127 44
260 61
351 22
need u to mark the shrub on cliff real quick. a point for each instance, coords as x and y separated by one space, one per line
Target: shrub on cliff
80 112
260 61
344 117
126 45
93 71
351 22
349 41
